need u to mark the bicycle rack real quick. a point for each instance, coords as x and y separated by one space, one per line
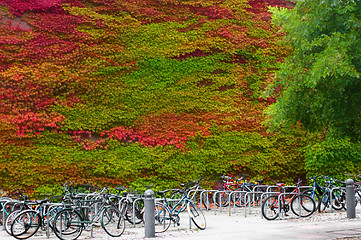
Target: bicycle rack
192 193
331 193
219 192
206 192
4 202
233 193
269 188
249 203
47 217
264 196
260 189
133 209
279 203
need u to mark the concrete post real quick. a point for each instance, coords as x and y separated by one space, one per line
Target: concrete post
350 199
149 220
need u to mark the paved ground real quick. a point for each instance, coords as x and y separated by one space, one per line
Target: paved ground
222 226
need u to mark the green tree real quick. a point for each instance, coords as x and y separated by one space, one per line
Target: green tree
319 85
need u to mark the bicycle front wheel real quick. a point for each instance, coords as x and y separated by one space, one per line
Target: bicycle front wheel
25 224
271 208
162 217
112 221
303 205
196 214
67 224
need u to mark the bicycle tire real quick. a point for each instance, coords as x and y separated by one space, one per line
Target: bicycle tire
162 217
138 213
112 221
270 207
9 220
241 199
196 214
25 224
315 194
68 224
311 193
324 202
339 199
303 205
221 199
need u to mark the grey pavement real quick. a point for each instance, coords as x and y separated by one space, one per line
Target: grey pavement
319 226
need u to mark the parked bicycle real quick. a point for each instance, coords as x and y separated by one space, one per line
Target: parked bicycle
300 204
228 185
70 222
333 195
166 213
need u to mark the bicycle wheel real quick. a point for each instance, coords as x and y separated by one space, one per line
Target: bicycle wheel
221 199
25 224
162 217
303 205
136 216
112 221
9 221
241 199
196 214
338 199
271 208
324 201
311 193
67 224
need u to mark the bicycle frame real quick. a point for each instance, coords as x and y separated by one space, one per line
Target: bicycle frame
183 200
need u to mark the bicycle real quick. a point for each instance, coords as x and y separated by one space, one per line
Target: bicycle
301 205
134 204
70 222
239 200
228 185
192 189
333 196
317 190
26 223
165 213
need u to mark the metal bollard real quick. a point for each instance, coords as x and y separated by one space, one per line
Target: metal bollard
350 198
149 214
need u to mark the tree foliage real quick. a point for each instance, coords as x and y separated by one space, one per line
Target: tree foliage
319 84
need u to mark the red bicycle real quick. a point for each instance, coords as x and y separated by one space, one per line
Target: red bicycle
228 185
301 204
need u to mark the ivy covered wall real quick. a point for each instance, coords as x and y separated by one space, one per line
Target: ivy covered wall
139 92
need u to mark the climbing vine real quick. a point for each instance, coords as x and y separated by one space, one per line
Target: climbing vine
118 92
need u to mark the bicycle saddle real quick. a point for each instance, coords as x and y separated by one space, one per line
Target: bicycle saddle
161 193
42 201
